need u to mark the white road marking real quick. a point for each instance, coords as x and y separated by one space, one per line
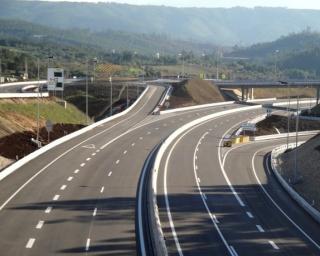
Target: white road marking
204 196
30 243
234 252
250 215
133 144
110 173
48 210
98 150
88 244
157 128
70 178
141 138
93 154
196 167
94 212
215 218
76 171
118 161
56 197
276 205
83 164
102 189
125 152
274 246
40 224
63 187
88 159
260 228
149 133
199 180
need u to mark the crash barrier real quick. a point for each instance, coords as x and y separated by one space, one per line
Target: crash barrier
276 170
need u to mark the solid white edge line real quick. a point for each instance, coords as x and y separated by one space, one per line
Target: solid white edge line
140 195
233 251
275 204
30 243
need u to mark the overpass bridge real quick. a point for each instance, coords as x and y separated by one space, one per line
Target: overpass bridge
247 86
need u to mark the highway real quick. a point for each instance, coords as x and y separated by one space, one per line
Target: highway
217 202
80 197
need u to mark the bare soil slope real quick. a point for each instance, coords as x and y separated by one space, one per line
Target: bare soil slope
194 92
308 157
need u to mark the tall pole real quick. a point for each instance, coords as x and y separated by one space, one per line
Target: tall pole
127 96
0 70
38 103
288 114
295 152
111 92
87 99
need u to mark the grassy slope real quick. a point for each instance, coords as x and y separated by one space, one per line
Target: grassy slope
283 92
18 115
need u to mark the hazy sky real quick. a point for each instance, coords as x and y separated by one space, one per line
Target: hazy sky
298 4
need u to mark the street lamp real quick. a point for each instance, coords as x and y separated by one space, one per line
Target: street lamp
87 99
38 104
275 63
288 109
295 176
182 56
111 103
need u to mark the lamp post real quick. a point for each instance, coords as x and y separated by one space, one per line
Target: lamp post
288 109
38 104
0 70
295 175
87 98
127 95
275 63
111 92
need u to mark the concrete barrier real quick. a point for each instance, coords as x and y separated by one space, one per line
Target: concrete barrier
299 199
284 135
22 95
24 83
159 156
12 168
196 107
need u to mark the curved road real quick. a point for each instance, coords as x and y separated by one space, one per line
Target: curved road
218 202
80 197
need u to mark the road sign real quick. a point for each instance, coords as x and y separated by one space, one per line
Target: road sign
49 126
55 79
249 127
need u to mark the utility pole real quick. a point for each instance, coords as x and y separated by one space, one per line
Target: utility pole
127 96
87 99
295 176
38 104
0 70
111 92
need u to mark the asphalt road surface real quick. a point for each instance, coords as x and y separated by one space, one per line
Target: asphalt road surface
79 198
215 202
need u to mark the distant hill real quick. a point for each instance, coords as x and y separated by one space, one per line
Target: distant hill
16 32
298 52
242 26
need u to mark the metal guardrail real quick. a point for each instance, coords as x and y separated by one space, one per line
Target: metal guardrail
298 198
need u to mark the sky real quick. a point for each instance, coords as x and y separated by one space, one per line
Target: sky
295 4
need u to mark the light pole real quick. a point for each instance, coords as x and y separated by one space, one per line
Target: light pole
275 63
38 104
111 103
87 98
288 109
127 96
295 175
182 56
0 71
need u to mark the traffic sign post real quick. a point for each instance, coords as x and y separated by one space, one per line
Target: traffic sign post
49 128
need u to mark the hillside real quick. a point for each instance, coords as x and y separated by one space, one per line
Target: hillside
215 25
18 124
194 92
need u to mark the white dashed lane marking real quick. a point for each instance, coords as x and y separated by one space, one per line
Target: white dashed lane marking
260 228
118 161
110 173
88 159
125 152
48 210
56 197
94 212
63 187
102 189
274 246
76 171
70 178
40 224
30 243
250 215
88 244
93 154
83 164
